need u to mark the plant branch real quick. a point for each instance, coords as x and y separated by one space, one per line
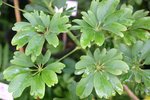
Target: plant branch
18 17
14 7
76 41
74 50
130 93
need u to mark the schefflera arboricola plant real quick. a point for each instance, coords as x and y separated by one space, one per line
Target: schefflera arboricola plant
40 28
24 73
100 71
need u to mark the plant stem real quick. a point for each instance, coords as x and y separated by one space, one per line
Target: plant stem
130 93
74 50
13 7
18 16
70 34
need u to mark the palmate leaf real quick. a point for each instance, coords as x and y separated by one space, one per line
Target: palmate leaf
99 72
139 30
102 18
138 57
25 73
40 28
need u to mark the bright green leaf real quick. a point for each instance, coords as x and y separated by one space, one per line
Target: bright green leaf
56 67
49 77
37 87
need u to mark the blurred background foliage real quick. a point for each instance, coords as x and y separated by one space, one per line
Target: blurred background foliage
65 90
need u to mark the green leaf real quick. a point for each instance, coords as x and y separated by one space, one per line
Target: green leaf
59 24
1 2
37 87
140 13
22 38
102 86
116 84
59 3
35 45
105 8
11 72
45 19
46 57
99 38
115 28
52 39
20 59
56 67
116 67
30 18
18 84
21 26
86 37
85 87
49 77
143 23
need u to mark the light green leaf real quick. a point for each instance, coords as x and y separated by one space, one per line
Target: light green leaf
56 67
143 23
45 19
116 84
49 77
46 57
22 38
21 26
12 71
35 45
94 6
116 67
18 84
85 87
58 23
37 87
105 8
115 28
52 39
99 38
1 2
86 37
140 13
102 86
30 18
20 59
